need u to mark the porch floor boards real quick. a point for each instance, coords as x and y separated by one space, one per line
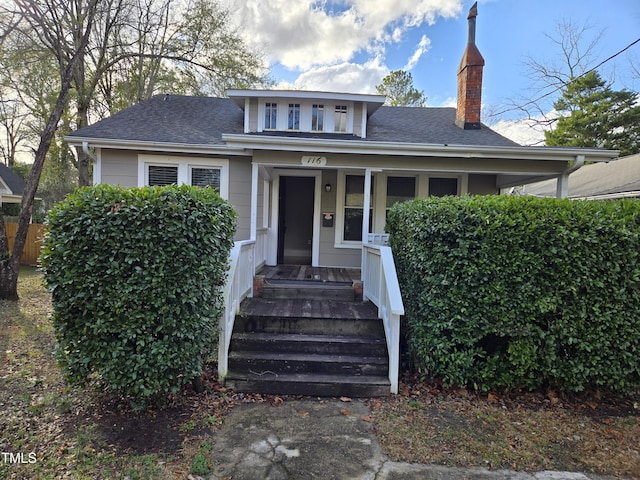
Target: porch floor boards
302 273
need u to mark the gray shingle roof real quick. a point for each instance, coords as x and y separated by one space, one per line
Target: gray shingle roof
428 125
598 179
171 119
203 120
12 180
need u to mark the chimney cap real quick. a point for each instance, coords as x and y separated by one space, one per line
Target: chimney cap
473 11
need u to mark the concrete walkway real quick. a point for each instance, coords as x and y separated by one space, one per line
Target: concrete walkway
326 439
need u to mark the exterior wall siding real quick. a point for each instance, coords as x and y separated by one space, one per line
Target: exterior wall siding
480 184
119 167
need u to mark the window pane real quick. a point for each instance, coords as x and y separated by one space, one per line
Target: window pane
440 187
162 175
353 224
270 115
341 118
400 189
294 116
317 118
354 191
205 177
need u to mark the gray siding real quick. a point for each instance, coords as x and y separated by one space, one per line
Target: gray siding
119 167
483 185
240 194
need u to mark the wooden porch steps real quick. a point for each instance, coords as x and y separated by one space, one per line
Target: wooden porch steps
301 346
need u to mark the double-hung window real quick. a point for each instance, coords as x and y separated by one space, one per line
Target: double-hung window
400 189
354 208
317 118
270 116
340 118
205 177
160 175
294 117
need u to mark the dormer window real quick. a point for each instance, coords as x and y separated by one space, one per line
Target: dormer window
317 118
340 122
270 116
294 117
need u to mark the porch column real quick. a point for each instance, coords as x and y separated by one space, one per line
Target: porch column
365 216
254 202
562 187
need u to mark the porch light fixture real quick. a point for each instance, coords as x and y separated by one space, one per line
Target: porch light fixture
327 187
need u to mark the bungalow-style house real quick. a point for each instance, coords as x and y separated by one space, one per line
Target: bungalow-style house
599 181
312 176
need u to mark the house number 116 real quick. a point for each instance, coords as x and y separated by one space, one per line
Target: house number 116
311 161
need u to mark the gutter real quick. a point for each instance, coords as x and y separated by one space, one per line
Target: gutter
562 188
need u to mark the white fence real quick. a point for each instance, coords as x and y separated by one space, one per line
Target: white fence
239 286
262 236
381 287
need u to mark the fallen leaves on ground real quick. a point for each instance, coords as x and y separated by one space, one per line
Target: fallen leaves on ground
523 431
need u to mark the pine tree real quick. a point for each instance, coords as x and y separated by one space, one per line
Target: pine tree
592 114
399 90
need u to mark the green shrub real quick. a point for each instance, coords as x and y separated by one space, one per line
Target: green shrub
506 292
136 277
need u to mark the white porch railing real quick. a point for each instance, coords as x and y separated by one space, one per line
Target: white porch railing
382 288
239 286
261 247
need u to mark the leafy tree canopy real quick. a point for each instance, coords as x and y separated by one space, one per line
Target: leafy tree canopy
592 114
399 90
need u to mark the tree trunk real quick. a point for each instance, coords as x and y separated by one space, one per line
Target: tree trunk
10 262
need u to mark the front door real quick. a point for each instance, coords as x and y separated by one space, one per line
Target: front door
295 220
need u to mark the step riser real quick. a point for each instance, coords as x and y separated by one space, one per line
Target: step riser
240 366
309 326
374 349
313 389
308 293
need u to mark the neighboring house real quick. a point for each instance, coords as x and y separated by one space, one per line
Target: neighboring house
11 186
601 181
296 164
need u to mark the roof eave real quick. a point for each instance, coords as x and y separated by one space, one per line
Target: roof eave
172 147
244 141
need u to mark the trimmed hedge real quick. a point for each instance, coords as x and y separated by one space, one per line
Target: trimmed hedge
516 292
136 276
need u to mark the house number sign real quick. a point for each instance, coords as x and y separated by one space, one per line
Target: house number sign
311 161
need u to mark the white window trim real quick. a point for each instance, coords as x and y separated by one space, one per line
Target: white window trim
339 241
184 164
282 120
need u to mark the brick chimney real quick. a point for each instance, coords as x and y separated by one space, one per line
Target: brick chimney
470 79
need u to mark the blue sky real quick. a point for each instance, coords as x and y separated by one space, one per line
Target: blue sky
349 45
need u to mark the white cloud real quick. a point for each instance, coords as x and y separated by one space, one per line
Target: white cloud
301 34
527 132
423 47
343 77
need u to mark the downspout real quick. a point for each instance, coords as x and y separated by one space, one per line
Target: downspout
94 159
562 189
85 149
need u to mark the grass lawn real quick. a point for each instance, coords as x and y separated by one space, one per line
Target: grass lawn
64 432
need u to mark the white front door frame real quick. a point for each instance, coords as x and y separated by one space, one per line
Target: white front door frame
272 255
